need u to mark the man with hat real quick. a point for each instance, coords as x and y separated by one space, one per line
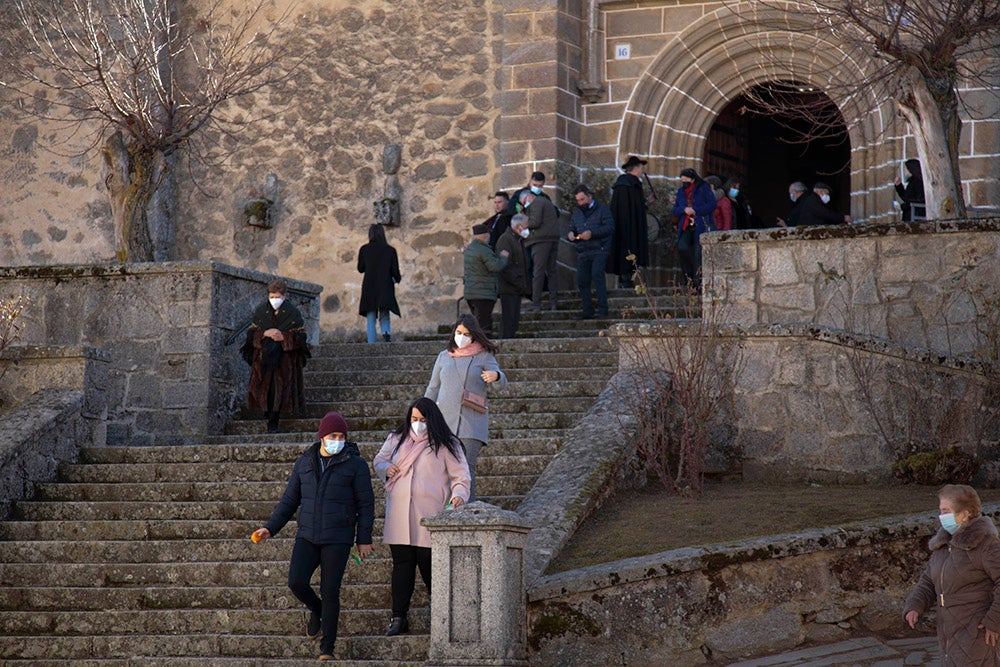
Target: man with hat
481 268
331 489
628 207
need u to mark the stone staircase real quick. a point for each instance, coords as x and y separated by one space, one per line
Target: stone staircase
140 556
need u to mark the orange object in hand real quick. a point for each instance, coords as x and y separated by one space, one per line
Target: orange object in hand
257 536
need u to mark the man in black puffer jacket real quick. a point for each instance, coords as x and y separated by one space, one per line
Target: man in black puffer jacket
331 488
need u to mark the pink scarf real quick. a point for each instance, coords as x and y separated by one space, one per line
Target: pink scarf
405 457
469 350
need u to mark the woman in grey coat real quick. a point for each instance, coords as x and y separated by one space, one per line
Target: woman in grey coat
467 365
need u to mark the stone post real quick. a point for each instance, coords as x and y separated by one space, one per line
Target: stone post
477 593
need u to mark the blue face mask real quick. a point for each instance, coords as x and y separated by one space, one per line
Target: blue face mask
734 192
536 190
791 196
332 446
948 522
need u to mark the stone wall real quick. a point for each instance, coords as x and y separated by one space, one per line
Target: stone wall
812 403
44 430
29 369
727 602
920 284
173 377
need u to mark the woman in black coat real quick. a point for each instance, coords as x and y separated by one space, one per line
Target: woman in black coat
911 196
331 489
380 264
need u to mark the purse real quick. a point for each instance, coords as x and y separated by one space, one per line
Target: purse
474 401
470 399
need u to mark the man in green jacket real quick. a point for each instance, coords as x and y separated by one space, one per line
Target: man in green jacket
481 268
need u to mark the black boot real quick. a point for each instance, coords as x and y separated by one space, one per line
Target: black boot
386 338
272 422
397 626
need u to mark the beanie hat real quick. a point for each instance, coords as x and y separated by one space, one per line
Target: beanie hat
480 229
332 422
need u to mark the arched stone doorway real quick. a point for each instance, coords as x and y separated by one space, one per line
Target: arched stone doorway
769 150
719 57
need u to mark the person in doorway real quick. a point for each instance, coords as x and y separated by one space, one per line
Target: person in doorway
810 207
423 466
826 215
694 207
738 204
628 210
458 384
543 246
591 229
379 263
960 582
481 268
723 215
331 489
912 196
512 282
276 349
499 222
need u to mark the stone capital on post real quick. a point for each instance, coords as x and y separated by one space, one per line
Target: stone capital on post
477 592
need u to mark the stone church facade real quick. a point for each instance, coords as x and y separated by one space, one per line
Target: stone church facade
478 93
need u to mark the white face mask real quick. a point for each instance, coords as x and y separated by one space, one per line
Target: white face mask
419 429
524 233
462 340
276 302
332 446
825 198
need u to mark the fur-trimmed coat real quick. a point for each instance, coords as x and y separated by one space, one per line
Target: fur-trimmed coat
962 584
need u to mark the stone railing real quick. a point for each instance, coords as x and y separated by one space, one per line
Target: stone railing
28 369
920 284
173 378
42 431
726 602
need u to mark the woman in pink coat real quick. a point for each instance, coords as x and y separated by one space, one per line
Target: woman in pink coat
424 469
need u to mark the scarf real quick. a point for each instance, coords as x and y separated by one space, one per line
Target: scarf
405 457
469 350
688 193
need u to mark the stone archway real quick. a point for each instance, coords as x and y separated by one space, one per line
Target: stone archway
728 52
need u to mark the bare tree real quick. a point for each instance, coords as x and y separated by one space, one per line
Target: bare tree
916 52
148 75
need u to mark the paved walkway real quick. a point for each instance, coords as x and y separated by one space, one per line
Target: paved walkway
861 652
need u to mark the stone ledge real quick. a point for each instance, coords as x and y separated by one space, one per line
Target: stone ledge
861 230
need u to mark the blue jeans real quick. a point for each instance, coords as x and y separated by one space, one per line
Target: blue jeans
383 320
590 269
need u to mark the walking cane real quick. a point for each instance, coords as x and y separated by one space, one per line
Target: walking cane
650 184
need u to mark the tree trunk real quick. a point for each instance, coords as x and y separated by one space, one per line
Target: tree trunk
141 188
937 127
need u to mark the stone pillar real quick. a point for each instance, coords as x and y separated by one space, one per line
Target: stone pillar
477 593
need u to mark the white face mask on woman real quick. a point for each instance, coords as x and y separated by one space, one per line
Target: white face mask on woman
419 429
276 302
462 340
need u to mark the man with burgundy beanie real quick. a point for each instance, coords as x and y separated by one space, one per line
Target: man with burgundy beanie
331 488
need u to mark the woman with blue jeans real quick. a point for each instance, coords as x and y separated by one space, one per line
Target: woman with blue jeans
378 261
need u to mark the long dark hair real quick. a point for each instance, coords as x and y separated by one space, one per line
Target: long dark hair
376 234
438 433
475 332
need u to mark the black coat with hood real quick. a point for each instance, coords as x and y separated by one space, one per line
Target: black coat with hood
336 505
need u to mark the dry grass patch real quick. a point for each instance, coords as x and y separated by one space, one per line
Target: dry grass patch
648 521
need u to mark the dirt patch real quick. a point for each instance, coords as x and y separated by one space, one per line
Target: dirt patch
648 521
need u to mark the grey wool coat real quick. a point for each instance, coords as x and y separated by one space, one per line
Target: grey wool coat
962 584
448 379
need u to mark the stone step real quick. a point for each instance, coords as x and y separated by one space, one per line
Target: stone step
262 572
491 462
210 650
419 378
272 597
223 491
192 622
589 383
499 406
343 350
236 451
540 438
561 359
500 424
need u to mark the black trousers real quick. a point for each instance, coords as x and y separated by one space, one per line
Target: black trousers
406 560
332 559
510 314
483 310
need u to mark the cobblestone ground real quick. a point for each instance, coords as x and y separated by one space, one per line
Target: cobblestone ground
861 652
